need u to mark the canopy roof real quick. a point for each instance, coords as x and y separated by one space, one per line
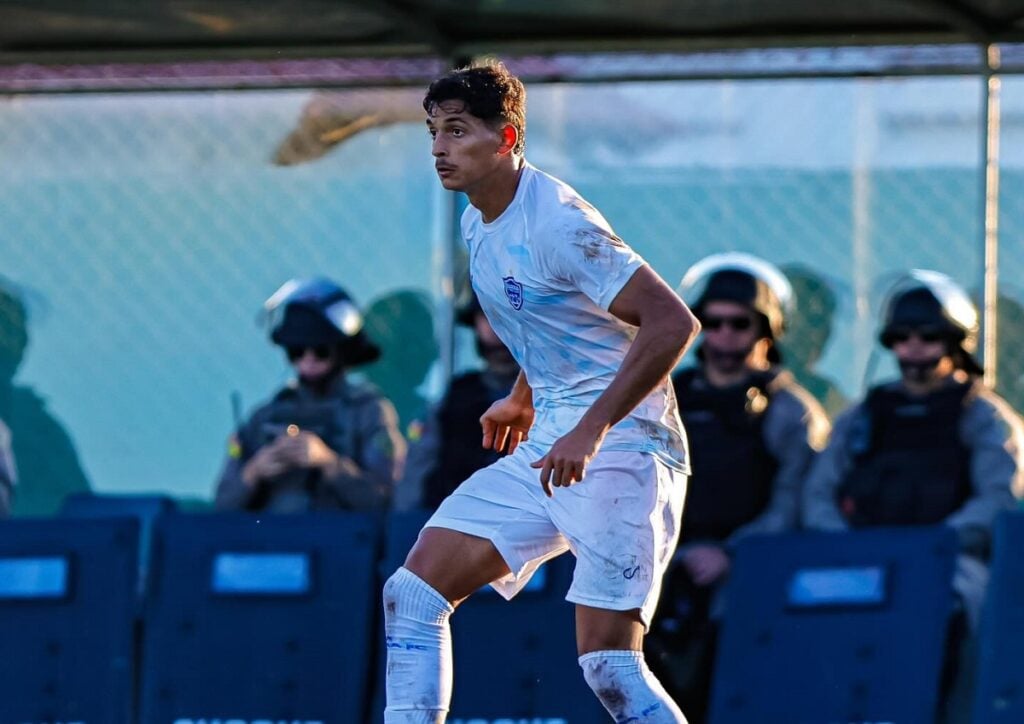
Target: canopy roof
458 28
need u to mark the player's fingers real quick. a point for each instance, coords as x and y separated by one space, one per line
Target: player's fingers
561 477
514 438
488 425
501 437
545 474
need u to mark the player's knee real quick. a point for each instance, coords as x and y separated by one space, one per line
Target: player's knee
627 689
408 596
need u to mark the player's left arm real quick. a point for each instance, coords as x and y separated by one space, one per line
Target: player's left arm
665 328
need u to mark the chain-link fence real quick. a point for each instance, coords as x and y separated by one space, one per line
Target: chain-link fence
144 230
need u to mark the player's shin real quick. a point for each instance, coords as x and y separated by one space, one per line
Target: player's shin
628 689
419 651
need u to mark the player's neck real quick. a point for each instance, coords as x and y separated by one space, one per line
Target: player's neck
493 194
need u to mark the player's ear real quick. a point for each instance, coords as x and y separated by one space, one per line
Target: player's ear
509 138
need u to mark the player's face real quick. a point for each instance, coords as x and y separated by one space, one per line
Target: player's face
466 150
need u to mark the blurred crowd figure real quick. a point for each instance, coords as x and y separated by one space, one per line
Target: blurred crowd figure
808 330
934 446
753 431
449 447
401 323
1010 342
323 442
8 474
38 462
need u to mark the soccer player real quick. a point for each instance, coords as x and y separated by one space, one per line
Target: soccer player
598 458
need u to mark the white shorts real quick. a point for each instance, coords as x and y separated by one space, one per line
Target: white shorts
621 522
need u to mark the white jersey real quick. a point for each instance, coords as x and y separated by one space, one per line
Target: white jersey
545 272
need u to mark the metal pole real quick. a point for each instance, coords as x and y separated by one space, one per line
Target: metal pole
442 243
990 110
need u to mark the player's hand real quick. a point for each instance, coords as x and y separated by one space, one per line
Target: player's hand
706 563
567 460
506 424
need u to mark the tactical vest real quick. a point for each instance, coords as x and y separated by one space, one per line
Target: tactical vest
732 470
909 464
334 419
461 453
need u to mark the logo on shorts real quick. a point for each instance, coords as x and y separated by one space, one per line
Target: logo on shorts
514 292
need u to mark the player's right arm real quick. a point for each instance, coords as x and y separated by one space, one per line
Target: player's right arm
508 421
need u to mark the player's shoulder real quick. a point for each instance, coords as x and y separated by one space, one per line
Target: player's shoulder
558 211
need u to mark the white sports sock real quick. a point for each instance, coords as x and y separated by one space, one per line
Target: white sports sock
419 672
628 689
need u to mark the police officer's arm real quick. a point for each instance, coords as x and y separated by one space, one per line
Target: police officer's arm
795 428
232 491
422 460
369 485
830 466
995 436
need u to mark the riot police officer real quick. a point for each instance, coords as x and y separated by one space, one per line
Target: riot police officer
449 448
935 446
753 432
324 441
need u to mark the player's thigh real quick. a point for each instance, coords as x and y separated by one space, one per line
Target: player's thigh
622 523
455 564
600 629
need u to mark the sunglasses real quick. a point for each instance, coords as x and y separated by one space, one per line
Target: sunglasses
739 323
925 334
321 352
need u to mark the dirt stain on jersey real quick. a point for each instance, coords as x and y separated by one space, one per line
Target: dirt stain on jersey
595 243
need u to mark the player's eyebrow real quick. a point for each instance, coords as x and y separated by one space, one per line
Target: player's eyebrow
447 121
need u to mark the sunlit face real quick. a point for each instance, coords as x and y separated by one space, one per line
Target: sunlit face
921 353
729 327
730 332
466 149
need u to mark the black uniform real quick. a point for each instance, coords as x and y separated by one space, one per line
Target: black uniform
752 445
450 449
355 421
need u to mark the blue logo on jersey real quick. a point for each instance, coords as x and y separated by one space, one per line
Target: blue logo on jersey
514 292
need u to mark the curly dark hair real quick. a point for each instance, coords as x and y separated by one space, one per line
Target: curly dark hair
490 93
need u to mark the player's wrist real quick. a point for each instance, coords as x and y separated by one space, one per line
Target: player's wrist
594 425
523 398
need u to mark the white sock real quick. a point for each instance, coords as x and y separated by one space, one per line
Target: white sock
628 689
419 672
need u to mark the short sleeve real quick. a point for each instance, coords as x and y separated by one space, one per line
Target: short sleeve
594 260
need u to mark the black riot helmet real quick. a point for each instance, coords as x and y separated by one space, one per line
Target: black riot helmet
744 279
923 299
315 312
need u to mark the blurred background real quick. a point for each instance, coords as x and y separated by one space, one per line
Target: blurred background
168 164
144 226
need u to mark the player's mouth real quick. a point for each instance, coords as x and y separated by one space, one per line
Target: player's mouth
444 170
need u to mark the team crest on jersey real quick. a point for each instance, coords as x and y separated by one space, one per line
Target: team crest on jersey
514 292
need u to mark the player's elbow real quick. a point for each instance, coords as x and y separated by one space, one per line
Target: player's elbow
680 327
